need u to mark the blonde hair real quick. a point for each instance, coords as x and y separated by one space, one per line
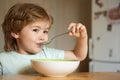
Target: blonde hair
17 18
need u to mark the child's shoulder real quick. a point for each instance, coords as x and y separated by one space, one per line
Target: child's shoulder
5 54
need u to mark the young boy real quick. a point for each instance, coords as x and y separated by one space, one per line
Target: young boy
25 28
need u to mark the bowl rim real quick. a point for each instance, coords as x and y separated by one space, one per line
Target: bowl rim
55 60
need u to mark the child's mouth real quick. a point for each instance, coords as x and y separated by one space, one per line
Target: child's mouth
39 45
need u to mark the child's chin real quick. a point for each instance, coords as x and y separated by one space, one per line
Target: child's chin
37 51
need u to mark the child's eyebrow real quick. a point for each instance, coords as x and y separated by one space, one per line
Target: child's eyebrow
47 28
37 26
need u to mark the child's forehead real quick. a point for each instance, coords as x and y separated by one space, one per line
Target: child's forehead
40 24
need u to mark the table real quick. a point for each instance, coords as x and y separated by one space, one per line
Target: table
73 76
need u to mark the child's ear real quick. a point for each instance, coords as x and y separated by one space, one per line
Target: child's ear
15 35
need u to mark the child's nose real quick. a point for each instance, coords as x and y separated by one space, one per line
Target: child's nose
42 37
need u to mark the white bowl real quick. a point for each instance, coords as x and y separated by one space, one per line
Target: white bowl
55 67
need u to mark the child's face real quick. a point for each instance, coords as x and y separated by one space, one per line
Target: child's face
30 38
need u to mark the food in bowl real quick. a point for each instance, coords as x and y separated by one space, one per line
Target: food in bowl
55 67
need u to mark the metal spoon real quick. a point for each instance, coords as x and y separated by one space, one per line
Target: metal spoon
46 43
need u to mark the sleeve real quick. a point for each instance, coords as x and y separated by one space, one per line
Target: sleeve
53 53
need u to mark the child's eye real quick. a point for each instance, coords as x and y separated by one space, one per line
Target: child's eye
46 32
35 30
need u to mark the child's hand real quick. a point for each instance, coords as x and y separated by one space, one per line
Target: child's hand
78 30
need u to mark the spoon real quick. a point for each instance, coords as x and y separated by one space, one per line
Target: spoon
46 43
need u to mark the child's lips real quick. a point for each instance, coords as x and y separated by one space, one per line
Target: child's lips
39 45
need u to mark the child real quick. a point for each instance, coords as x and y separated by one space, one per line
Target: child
25 28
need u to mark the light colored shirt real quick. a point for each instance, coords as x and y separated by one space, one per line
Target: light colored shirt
16 63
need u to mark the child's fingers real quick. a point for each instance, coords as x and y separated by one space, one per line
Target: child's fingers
76 29
79 27
72 28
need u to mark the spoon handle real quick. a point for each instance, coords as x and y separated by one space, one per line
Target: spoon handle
46 43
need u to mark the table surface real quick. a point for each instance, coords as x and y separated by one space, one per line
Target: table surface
73 76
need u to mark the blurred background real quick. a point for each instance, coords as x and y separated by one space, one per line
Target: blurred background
94 15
